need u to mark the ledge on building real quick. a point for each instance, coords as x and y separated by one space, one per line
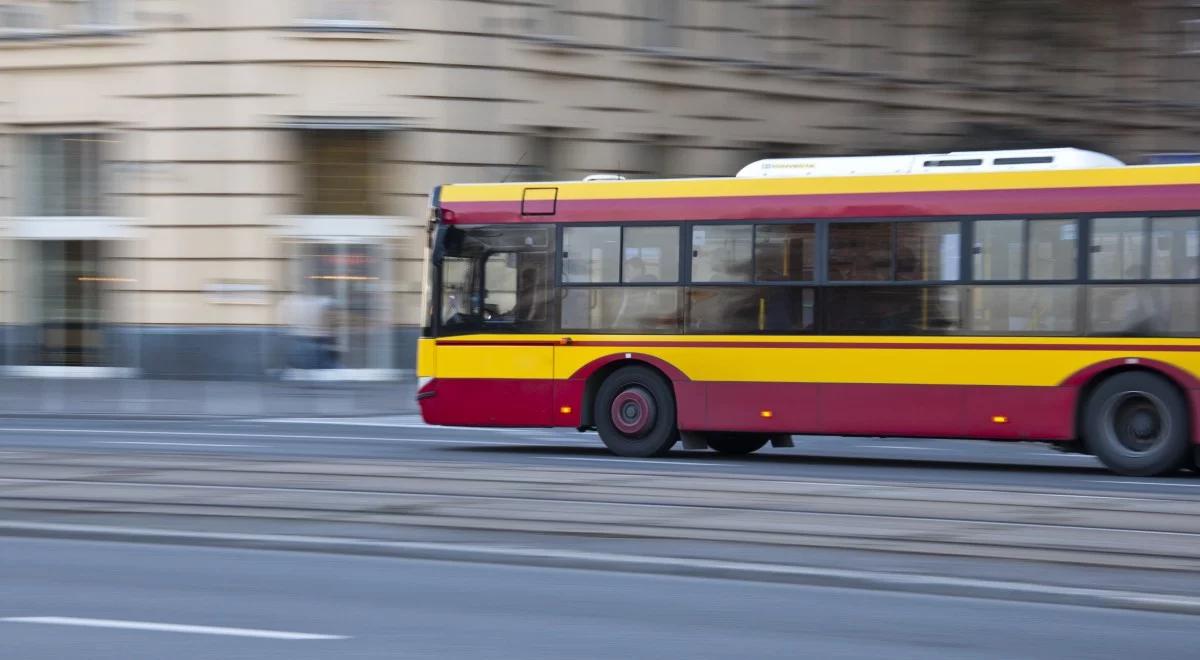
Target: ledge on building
84 35
41 371
558 44
344 375
332 28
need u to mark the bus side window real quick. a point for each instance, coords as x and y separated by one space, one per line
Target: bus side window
517 290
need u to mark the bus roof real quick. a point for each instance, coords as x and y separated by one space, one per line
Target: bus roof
937 193
955 161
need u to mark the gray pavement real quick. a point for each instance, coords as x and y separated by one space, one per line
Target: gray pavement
393 608
201 398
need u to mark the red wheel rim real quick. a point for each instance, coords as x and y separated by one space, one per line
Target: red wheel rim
633 412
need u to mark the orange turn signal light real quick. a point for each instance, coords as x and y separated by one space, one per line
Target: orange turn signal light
1000 419
566 410
766 414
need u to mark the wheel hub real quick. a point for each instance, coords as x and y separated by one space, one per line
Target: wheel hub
633 412
1137 421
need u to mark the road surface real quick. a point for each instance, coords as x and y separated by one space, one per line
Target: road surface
70 599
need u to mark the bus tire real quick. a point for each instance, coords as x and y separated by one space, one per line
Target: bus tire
737 444
1137 424
634 412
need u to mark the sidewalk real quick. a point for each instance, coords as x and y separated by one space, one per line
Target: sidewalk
139 397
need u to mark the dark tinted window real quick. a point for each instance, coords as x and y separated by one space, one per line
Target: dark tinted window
750 309
962 162
1026 160
891 310
928 251
785 253
622 309
860 252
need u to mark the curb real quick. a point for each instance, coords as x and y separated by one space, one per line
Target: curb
598 561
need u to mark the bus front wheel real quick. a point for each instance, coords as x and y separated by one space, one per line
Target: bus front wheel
1137 424
635 413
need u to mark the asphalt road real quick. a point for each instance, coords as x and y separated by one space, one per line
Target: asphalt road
72 599
406 438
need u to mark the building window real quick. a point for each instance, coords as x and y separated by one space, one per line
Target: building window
343 172
39 16
66 175
345 14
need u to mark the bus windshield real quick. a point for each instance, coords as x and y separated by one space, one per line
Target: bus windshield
495 279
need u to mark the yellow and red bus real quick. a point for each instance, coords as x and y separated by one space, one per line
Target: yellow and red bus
1046 296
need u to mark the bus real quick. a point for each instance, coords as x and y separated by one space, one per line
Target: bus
1034 295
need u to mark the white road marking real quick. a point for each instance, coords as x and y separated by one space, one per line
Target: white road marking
274 436
169 627
1143 483
900 447
166 444
666 462
410 422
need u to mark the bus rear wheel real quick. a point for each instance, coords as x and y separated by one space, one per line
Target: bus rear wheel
634 412
1137 424
738 444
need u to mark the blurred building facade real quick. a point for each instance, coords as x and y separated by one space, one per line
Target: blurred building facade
190 185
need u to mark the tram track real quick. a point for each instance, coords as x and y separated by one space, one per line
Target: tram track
1158 531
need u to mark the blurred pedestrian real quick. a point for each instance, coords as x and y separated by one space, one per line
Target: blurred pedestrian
311 341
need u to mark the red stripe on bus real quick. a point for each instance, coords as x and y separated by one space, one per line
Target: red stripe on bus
955 411
1107 199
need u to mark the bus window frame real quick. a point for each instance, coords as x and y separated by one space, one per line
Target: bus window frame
1081 281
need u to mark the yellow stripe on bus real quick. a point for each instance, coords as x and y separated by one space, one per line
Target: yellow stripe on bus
876 363
732 187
